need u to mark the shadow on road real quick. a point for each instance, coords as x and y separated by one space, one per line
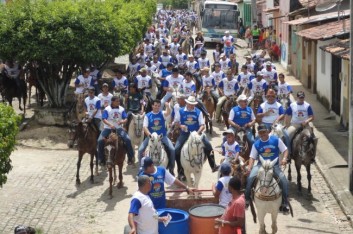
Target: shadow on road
310 229
118 195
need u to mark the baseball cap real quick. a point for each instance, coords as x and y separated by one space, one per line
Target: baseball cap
105 84
301 94
262 127
229 130
147 163
91 89
225 168
259 73
268 63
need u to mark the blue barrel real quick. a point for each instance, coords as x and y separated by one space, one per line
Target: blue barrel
179 223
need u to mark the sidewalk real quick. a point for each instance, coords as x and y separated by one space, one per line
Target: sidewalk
332 152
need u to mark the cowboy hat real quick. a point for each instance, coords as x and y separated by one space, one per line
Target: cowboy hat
241 98
191 100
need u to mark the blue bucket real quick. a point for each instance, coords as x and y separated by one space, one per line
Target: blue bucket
179 223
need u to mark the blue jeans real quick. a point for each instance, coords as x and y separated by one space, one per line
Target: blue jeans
121 133
278 172
166 97
179 145
287 141
168 146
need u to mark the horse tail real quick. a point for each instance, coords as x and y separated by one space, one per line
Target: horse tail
253 212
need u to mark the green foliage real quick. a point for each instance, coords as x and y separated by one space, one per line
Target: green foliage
9 121
63 35
175 4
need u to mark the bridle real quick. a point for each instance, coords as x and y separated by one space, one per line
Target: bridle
198 155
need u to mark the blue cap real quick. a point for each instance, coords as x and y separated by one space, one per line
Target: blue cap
225 168
147 162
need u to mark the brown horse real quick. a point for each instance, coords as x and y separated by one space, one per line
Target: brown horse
173 134
209 103
115 153
86 135
244 144
227 107
239 169
255 104
32 80
80 106
303 153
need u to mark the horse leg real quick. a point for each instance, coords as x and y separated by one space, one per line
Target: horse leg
274 222
211 127
289 172
29 94
261 218
114 178
96 170
299 177
80 155
121 183
91 166
309 179
110 182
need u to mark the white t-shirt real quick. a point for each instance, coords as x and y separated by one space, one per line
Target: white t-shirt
273 110
225 196
105 100
91 105
218 76
174 83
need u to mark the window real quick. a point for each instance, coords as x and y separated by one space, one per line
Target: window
323 62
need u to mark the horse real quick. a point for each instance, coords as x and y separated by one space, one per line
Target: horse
209 103
156 151
303 153
135 130
155 84
284 100
244 144
86 135
11 90
192 158
227 107
277 130
115 153
185 46
80 107
32 80
239 169
173 134
267 195
256 102
157 48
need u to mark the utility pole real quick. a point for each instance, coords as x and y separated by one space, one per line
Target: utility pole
350 143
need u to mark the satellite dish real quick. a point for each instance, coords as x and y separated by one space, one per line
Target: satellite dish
325 5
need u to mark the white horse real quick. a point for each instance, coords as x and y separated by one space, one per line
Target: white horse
155 84
267 195
156 151
136 129
277 130
192 157
284 100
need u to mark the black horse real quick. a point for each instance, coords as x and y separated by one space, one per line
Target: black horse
10 89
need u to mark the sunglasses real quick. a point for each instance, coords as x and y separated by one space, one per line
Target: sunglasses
270 96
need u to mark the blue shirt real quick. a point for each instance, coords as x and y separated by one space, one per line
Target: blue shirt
157 193
190 119
164 73
269 150
156 123
242 116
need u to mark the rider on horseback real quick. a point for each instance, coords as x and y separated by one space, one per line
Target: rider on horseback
226 88
218 74
230 148
163 74
284 89
244 78
154 121
208 81
268 147
93 108
181 59
120 83
83 82
14 70
114 116
174 48
165 59
270 112
299 115
105 96
171 84
257 87
133 68
143 82
148 48
225 63
242 117
191 119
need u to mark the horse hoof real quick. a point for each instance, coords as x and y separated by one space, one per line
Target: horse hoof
120 185
299 193
92 181
110 196
289 178
78 181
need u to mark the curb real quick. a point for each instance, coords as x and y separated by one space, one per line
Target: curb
319 167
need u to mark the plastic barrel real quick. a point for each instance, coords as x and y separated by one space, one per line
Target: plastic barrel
202 218
179 223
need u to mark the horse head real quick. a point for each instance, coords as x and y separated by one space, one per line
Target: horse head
307 146
265 174
277 130
138 124
283 99
110 148
72 132
195 148
155 148
241 139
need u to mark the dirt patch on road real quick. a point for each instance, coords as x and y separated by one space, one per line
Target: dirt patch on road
43 137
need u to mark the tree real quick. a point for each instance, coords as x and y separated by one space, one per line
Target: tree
61 36
9 121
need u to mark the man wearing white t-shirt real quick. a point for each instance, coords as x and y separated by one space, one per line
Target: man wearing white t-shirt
143 217
220 189
93 108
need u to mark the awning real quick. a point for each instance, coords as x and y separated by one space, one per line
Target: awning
261 2
339 48
317 18
327 30
269 10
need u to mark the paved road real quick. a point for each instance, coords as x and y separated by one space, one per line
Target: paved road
41 192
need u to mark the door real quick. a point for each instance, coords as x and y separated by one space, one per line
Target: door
336 84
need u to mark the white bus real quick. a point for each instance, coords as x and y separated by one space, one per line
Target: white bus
216 17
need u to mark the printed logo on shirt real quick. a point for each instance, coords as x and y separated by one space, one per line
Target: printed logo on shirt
91 107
